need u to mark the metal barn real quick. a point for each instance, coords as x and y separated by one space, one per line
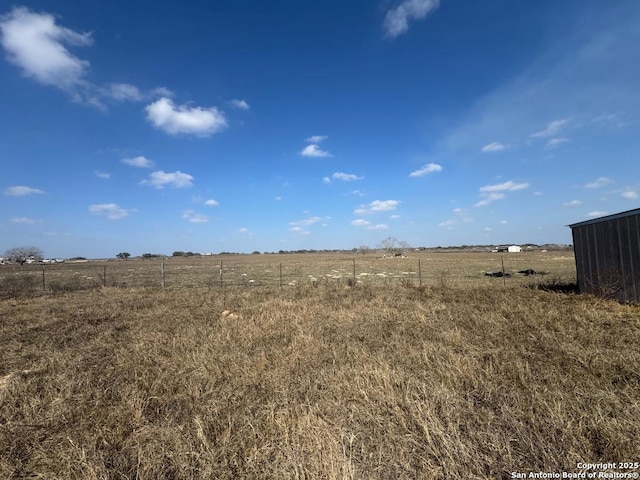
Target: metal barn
607 251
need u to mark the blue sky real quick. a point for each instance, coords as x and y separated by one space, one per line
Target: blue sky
236 125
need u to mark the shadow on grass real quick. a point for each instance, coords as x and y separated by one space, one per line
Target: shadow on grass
557 286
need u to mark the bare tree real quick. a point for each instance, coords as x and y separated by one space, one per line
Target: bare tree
22 254
392 245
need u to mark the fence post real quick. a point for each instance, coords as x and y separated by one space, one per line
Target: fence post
419 274
44 286
504 280
162 269
221 284
104 275
354 272
280 275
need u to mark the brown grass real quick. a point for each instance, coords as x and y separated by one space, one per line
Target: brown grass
426 268
447 381
468 377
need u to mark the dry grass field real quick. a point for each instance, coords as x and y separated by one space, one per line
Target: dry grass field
418 269
466 377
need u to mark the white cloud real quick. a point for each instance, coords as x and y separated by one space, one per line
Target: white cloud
182 119
161 92
110 210
161 179
244 231
309 221
506 186
211 203
597 213
379 226
396 21
394 217
573 203
552 129
494 147
140 162
491 193
377 206
240 104
124 91
487 229
316 139
426 170
299 230
35 44
503 222
314 151
630 194
488 198
21 191
26 220
448 223
104 175
193 217
360 222
326 180
278 198
346 177
556 142
358 193
599 182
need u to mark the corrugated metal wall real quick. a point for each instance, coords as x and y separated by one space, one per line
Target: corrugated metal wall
608 257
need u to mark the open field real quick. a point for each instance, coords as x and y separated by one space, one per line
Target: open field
418 268
466 377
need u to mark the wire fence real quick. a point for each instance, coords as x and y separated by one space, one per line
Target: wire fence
170 273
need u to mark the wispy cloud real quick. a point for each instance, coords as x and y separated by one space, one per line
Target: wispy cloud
240 104
161 179
551 129
346 177
314 151
26 220
378 226
140 162
491 193
377 206
21 191
597 213
306 222
360 222
182 119
110 210
124 91
494 147
316 139
299 230
104 175
211 203
506 186
573 203
426 170
556 142
396 21
630 194
599 182
193 217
